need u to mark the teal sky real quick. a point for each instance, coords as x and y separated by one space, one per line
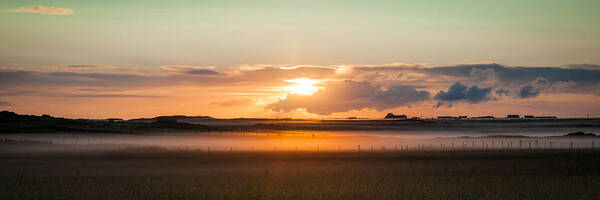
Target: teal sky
229 33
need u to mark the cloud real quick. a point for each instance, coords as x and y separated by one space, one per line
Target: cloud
350 95
586 76
520 75
16 93
268 79
396 96
21 78
6 104
191 69
185 67
528 91
87 94
459 92
41 10
502 92
584 66
107 95
11 78
201 71
80 66
266 73
482 74
540 85
235 102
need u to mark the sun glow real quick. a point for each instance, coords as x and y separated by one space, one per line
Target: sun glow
303 86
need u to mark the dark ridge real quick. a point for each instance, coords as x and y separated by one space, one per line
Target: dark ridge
580 134
11 122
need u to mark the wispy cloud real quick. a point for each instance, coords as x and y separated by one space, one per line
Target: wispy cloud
6 104
192 69
236 102
109 96
80 66
41 10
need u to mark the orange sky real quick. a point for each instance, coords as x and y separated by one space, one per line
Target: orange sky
274 91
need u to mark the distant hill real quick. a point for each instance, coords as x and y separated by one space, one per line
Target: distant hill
580 134
7 116
11 122
171 118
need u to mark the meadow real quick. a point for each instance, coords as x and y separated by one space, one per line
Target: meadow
157 173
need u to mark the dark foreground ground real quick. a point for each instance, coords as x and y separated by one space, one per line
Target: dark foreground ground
159 174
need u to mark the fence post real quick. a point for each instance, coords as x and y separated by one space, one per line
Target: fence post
520 144
571 144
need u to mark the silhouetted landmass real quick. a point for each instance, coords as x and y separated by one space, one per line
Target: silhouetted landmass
11 122
581 134
172 118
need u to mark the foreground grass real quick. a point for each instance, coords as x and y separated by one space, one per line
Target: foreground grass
157 174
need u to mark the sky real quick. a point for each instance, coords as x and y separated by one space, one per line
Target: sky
303 59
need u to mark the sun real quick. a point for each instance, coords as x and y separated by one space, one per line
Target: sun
303 86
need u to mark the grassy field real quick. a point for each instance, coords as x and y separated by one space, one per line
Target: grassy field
159 174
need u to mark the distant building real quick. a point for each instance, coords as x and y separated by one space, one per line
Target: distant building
352 118
447 117
392 116
484 117
529 116
513 116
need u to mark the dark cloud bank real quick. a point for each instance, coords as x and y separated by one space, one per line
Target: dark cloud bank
459 92
499 81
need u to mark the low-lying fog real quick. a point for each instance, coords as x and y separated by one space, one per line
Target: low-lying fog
302 141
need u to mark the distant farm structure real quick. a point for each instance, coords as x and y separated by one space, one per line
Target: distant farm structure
513 116
392 116
465 117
